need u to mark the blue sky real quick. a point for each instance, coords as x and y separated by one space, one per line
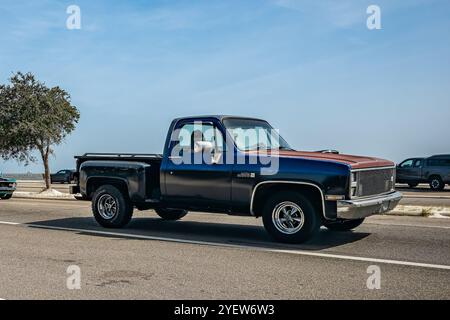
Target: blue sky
311 68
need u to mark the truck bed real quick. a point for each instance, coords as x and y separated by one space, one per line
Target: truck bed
150 158
152 186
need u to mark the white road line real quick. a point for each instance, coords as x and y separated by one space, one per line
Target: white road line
236 246
411 196
407 225
9 223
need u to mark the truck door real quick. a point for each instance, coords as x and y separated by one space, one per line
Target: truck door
196 176
416 171
404 171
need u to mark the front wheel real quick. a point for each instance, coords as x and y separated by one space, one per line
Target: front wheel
290 217
343 225
171 214
111 208
6 196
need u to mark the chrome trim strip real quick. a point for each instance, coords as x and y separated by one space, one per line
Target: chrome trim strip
288 182
356 209
374 200
372 195
374 168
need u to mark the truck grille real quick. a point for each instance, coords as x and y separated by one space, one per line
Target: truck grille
374 182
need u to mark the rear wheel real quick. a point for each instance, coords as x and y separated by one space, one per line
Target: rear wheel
171 214
290 217
436 183
6 196
111 208
343 225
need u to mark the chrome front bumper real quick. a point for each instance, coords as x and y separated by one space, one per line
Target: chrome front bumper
361 208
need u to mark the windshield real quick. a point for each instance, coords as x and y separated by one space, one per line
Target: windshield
251 135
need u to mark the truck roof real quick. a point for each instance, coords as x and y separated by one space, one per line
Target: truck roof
440 156
219 117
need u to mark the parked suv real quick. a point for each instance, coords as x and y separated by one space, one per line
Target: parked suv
63 176
434 170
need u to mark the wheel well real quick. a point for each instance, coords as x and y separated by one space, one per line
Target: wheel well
94 183
266 190
434 176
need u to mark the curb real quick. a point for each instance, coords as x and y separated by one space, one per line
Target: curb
421 211
36 196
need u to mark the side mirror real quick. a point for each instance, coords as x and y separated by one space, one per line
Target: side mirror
203 146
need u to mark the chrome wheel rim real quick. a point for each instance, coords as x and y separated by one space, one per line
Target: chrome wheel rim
288 217
107 206
435 183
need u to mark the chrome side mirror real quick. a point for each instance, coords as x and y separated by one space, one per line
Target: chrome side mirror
203 146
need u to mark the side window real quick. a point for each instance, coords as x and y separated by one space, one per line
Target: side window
417 163
213 135
189 133
184 136
406 164
438 162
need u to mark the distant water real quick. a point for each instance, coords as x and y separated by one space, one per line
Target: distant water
23 176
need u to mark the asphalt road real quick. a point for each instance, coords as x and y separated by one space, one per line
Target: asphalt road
211 256
424 196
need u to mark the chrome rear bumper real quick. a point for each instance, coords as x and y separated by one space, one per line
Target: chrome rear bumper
361 208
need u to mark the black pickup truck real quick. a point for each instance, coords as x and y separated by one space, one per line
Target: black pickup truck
238 166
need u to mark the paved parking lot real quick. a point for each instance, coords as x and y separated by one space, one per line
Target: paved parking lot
207 256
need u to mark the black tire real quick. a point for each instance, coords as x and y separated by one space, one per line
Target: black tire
436 183
171 214
413 185
6 196
108 195
343 225
296 232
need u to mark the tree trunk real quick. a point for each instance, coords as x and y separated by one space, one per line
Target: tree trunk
46 172
44 154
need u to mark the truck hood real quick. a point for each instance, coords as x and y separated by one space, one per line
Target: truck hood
355 162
